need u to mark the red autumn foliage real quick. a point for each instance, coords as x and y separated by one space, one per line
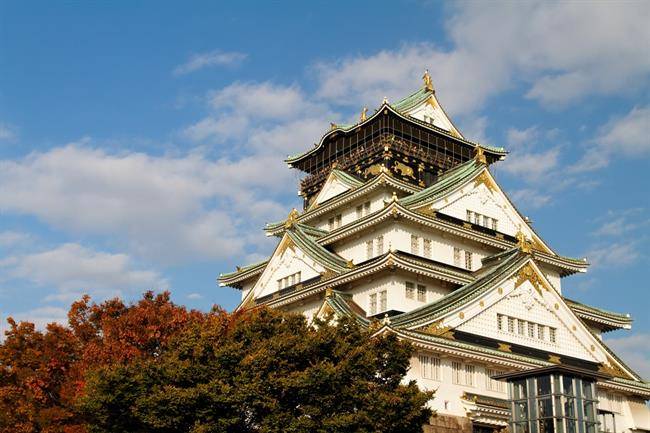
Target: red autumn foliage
41 372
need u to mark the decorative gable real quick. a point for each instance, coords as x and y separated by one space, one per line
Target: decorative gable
288 261
336 184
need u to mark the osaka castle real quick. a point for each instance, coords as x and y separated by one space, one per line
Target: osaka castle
404 228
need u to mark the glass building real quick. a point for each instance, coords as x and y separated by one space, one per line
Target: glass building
554 399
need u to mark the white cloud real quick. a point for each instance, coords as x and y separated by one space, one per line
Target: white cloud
9 238
626 135
615 255
634 350
620 222
532 166
74 270
194 296
212 58
7 132
550 46
166 208
530 198
40 317
517 138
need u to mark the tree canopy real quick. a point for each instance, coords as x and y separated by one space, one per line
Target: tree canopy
154 366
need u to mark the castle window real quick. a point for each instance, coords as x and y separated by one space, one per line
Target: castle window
521 327
383 300
551 334
456 256
511 325
415 244
531 330
330 223
359 211
494 224
409 290
366 208
429 367
541 334
373 304
456 373
491 384
469 375
422 293
469 216
468 260
339 219
380 245
427 247
369 249
500 322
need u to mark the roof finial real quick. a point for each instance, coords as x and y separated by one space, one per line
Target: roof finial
364 114
291 219
333 125
479 155
523 243
385 101
428 85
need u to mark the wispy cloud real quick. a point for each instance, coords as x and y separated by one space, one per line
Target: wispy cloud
209 59
7 132
635 350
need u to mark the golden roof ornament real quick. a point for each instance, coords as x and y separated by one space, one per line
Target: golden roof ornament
364 114
329 292
479 155
385 101
523 243
292 218
428 85
333 125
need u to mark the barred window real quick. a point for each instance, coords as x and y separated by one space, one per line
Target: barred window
500 322
551 334
427 248
429 367
369 249
531 330
415 244
359 211
366 208
410 290
491 384
469 375
469 216
511 325
495 224
339 219
383 300
456 372
521 327
380 245
330 224
468 260
422 293
373 304
541 334
456 256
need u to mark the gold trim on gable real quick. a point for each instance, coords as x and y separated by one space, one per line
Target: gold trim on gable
485 179
528 273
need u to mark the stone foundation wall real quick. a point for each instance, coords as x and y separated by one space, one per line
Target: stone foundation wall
448 424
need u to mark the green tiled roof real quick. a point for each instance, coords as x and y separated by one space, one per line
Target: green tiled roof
444 183
575 305
319 253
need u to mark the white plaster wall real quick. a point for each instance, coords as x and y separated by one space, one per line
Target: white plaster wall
348 212
291 261
553 277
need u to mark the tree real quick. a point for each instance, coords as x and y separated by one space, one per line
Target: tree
260 371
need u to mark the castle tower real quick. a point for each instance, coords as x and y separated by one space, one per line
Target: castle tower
404 228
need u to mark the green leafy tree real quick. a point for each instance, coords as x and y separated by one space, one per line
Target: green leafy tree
260 371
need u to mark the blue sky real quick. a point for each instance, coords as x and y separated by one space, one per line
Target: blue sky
141 143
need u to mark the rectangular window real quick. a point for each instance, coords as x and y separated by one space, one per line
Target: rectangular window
541 334
373 304
477 219
330 224
383 300
469 216
380 245
280 284
551 335
511 325
491 384
427 247
298 277
468 260
410 290
415 244
359 211
457 373
494 224
521 324
531 330
469 375
369 249
500 322
429 367
422 293
456 256
339 219
366 208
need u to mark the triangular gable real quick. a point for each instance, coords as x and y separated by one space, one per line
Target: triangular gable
429 110
480 194
526 294
287 259
336 184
